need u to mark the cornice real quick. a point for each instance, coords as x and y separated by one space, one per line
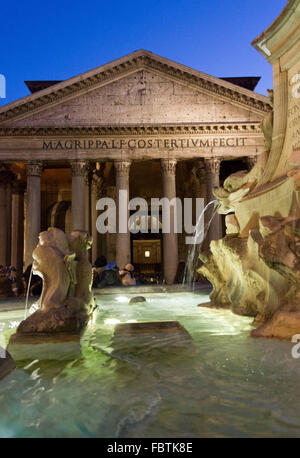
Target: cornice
76 86
216 87
281 35
186 129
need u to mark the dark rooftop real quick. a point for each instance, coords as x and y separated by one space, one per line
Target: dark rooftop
247 82
35 86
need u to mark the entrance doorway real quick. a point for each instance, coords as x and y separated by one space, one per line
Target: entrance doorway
147 259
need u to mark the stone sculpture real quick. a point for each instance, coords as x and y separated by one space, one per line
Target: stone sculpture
255 269
267 123
66 303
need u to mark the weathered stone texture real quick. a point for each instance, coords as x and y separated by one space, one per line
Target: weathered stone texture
255 269
142 97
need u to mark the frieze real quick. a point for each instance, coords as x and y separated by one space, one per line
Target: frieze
208 129
142 143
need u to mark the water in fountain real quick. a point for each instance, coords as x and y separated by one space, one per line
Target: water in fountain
201 230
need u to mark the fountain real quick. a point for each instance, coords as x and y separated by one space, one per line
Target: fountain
66 303
199 235
166 368
255 269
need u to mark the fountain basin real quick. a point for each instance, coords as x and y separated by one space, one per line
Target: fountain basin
149 326
60 347
222 384
147 334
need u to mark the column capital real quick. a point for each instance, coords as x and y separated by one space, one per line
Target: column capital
34 168
78 168
122 167
212 164
97 185
168 166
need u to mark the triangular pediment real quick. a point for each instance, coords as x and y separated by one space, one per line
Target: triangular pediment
141 88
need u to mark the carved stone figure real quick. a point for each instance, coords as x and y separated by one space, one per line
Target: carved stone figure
256 275
267 123
238 185
66 302
255 269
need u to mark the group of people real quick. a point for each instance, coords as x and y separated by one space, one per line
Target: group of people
108 274
12 284
8 281
104 274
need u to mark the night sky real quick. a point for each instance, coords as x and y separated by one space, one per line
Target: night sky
60 39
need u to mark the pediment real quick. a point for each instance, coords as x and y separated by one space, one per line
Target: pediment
141 88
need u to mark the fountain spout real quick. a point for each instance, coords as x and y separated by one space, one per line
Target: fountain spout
200 232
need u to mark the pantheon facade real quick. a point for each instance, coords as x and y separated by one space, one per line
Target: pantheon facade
142 123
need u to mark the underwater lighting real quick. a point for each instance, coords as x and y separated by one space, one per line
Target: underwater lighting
226 323
111 321
121 299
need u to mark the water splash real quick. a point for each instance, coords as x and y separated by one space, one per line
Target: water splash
201 230
27 294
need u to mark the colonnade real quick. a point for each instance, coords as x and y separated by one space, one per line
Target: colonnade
86 190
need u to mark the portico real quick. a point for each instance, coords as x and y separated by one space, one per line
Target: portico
94 135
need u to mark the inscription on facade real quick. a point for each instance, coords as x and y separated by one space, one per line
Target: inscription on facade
294 111
142 143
